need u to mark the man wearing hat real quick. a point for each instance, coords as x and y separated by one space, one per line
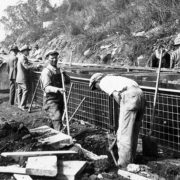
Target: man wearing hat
175 55
130 97
36 53
12 71
22 79
51 81
154 59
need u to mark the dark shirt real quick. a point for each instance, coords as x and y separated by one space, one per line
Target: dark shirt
154 61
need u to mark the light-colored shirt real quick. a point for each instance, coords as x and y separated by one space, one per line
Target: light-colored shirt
46 79
175 58
111 83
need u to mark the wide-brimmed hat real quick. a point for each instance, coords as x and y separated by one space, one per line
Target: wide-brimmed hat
14 48
94 78
51 52
25 48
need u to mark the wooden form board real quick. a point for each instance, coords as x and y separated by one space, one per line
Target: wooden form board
36 153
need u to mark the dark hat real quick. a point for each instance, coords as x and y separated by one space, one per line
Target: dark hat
14 48
51 52
25 47
94 78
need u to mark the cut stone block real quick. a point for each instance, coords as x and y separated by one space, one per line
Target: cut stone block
22 177
69 170
131 176
42 166
52 137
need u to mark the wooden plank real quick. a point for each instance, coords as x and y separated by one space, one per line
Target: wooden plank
131 176
36 153
22 177
42 166
12 170
69 170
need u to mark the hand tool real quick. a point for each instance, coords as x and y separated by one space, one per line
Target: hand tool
29 110
110 149
150 147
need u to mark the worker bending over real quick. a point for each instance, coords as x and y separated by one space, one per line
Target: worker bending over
130 97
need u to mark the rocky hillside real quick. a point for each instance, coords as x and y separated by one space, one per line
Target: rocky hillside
114 49
120 32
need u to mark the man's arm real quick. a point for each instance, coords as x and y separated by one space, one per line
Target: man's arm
27 65
116 96
46 83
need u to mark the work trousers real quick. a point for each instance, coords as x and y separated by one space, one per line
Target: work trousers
132 106
54 106
12 90
22 94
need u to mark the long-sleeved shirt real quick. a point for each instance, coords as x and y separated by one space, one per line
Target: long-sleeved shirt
175 58
23 67
111 83
51 79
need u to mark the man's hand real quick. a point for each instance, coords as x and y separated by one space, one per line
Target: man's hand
116 96
61 90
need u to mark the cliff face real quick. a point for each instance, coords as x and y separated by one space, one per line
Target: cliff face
102 32
114 49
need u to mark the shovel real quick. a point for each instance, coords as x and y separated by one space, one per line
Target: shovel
150 147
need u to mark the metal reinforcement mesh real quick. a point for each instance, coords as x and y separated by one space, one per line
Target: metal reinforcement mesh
166 125
101 110
96 108
36 93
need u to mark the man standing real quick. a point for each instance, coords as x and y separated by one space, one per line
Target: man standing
175 54
22 79
130 97
12 71
53 92
155 58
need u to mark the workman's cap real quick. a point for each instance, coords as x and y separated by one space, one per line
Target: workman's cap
51 52
94 78
25 48
14 48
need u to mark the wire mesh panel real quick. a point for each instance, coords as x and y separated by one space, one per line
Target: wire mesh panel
95 109
36 90
166 125
101 110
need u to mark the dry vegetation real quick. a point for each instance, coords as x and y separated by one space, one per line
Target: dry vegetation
86 25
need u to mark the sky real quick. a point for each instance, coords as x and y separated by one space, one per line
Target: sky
6 3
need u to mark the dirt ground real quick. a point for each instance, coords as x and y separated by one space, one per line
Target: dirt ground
166 166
